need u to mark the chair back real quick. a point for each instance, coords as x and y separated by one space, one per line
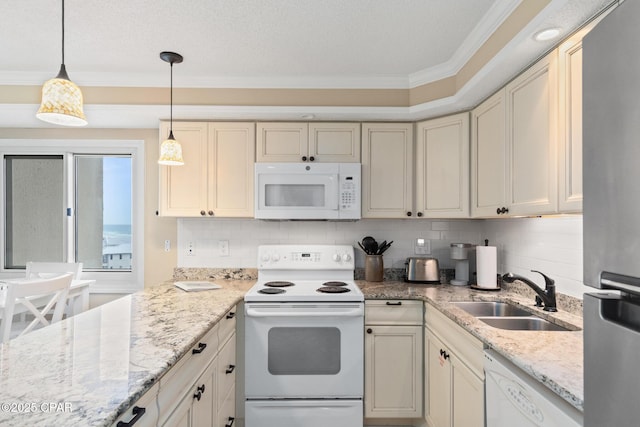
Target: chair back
38 296
37 270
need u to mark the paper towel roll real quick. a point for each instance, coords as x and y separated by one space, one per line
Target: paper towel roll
486 266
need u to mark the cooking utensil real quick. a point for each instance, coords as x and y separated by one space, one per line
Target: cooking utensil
362 247
384 247
370 245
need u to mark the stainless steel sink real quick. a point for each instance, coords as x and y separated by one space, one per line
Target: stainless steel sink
491 309
522 324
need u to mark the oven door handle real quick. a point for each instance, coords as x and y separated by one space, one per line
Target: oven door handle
352 312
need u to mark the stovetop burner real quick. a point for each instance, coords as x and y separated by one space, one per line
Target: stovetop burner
334 283
271 291
278 284
333 290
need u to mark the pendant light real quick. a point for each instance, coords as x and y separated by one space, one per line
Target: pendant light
61 98
170 149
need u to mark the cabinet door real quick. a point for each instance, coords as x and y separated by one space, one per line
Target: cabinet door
181 416
393 372
442 167
387 170
334 142
438 385
226 370
532 135
468 396
489 157
203 398
282 142
183 189
231 170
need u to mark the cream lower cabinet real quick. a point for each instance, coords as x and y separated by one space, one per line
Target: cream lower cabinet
514 142
454 377
393 359
217 178
308 142
442 167
387 170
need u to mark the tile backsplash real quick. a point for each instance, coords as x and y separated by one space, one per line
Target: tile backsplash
551 245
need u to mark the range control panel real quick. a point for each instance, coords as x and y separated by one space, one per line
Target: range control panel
306 257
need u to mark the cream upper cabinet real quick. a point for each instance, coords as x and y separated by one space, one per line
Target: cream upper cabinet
308 142
387 170
454 374
532 112
514 142
489 157
217 178
442 167
393 359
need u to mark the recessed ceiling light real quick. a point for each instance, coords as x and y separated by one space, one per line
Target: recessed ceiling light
548 34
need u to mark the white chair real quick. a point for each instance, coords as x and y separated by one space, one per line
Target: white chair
49 269
46 293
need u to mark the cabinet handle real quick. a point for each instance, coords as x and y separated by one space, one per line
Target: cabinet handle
408 213
231 315
200 349
230 423
230 369
394 303
444 354
304 158
311 159
210 213
203 213
369 330
419 213
137 412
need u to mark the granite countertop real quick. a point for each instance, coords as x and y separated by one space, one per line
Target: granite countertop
553 358
89 369
95 365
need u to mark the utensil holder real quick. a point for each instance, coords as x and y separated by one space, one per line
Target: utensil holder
373 268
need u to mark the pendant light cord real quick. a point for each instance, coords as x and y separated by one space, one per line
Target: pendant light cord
171 99
62 32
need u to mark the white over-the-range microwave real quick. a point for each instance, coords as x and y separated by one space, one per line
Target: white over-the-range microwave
303 191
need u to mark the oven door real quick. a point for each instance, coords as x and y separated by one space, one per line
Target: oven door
304 350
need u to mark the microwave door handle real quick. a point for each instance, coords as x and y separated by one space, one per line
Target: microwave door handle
333 192
354 312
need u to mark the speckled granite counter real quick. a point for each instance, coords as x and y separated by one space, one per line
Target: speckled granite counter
95 365
553 358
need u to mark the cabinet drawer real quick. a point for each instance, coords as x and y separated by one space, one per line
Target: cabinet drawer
173 384
393 312
226 369
227 325
145 409
467 348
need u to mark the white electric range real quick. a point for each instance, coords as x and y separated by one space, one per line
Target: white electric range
304 355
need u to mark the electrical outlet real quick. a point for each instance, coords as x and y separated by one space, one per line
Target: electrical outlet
191 249
422 246
223 247
167 245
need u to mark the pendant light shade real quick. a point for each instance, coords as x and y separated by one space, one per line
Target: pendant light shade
170 149
61 98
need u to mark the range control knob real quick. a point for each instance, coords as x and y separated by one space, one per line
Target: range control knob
265 257
346 257
275 257
336 257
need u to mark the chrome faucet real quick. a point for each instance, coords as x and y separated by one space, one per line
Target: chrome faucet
546 296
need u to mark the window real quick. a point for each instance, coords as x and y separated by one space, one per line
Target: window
75 202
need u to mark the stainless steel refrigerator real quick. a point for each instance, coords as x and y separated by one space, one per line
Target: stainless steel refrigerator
611 180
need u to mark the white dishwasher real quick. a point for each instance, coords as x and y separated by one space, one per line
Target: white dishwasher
514 398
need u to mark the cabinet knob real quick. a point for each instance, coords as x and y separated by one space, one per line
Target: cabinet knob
203 213
444 354
230 423
231 315
210 213
230 369
505 210
199 391
408 213
369 330
201 388
498 211
419 213
311 159
304 158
